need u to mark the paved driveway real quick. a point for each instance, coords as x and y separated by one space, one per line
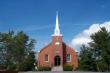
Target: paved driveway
63 72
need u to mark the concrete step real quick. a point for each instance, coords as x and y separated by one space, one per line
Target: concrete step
57 68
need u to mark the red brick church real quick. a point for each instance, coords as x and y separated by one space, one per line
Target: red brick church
57 53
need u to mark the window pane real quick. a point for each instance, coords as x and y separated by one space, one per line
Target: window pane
68 57
46 57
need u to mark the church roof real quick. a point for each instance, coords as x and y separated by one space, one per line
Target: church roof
45 47
63 44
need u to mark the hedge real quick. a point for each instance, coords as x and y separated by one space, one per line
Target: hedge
44 68
67 67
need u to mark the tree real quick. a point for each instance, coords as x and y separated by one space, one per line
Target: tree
101 46
29 62
86 60
97 54
6 41
15 49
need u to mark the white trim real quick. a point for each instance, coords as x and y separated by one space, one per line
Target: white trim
56 35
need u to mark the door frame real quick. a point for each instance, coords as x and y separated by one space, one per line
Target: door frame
57 61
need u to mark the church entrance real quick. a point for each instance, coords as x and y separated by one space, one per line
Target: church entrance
57 61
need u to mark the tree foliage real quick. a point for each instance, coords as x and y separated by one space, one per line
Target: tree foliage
16 49
86 62
96 57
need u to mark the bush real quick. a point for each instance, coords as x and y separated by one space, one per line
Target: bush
67 67
2 67
44 68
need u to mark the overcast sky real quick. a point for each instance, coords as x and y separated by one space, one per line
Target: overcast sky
37 19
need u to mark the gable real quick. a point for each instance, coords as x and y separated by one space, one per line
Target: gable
45 47
67 47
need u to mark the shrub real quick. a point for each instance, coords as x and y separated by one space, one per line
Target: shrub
2 67
44 68
67 67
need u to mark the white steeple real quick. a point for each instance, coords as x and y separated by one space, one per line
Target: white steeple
57 30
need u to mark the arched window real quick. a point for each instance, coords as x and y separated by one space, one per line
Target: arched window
46 58
68 58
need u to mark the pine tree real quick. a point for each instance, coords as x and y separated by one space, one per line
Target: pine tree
96 57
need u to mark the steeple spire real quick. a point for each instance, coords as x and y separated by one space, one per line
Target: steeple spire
57 30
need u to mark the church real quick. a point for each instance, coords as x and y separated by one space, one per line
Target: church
57 53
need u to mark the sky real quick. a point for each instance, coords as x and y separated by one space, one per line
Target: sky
77 19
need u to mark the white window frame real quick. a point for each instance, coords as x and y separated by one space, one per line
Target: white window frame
69 59
45 57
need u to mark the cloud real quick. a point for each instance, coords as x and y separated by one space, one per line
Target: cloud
84 37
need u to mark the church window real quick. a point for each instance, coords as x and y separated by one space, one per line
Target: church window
46 58
68 58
